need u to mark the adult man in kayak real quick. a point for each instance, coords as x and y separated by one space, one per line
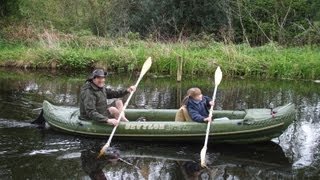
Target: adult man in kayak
93 100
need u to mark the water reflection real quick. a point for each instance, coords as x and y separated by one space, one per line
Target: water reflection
190 169
24 149
171 161
165 94
301 141
92 165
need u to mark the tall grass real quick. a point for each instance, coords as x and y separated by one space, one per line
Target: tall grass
199 57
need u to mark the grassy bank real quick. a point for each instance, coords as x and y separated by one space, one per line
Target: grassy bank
199 57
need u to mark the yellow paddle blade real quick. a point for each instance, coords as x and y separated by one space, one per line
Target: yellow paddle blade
203 156
100 154
146 66
102 151
217 76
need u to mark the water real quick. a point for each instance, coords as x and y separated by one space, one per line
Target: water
30 153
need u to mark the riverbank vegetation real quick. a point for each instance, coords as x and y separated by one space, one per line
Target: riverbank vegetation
269 39
198 57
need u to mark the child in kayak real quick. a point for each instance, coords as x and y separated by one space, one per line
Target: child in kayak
198 105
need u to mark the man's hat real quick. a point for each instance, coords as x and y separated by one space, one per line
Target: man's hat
97 73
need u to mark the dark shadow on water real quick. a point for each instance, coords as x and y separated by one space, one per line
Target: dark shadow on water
268 153
182 161
91 164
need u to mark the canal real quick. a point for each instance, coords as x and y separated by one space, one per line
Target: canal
27 152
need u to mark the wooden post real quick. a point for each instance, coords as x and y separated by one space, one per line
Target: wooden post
179 69
179 95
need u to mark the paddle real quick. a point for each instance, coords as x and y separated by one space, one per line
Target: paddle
146 66
217 80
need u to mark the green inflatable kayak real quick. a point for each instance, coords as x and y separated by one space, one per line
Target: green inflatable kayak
247 126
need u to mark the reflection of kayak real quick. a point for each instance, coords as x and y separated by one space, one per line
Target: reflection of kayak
263 154
244 161
170 160
248 126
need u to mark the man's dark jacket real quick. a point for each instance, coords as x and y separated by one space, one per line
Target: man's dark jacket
93 101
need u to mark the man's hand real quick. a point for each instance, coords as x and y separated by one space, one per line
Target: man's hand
131 89
112 121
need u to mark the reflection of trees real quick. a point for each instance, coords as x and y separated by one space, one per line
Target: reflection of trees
171 161
59 92
157 97
13 103
150 168
163 93
249 96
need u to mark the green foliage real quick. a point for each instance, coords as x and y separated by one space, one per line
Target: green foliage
10 51
247 38
256 22
199 58
9 8
285 21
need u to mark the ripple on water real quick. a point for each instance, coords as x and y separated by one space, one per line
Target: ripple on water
45 151
70 156
5 123
3 152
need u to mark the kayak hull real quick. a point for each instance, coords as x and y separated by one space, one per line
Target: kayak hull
248 126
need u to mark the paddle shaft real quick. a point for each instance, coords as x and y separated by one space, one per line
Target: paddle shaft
122 112
210 115
217 79
146 66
